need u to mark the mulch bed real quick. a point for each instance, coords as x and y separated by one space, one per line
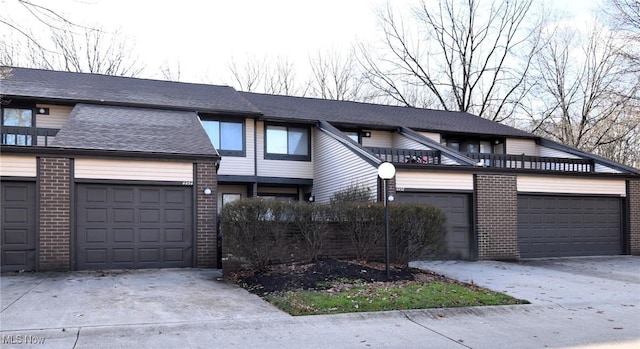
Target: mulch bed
321 275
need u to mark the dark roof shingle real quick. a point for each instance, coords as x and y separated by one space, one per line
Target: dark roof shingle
104 89
310 109
101 127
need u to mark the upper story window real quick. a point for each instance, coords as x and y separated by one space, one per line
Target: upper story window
287 143
21 123
227 136
354 135
470 145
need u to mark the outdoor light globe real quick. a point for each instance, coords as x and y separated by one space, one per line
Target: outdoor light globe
386 170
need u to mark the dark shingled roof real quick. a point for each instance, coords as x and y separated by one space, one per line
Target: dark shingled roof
101 127
103 89
310 109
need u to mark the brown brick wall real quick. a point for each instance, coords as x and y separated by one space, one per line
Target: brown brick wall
54 241
497 216
634 216
206 251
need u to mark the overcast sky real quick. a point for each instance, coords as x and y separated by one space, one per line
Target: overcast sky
204 36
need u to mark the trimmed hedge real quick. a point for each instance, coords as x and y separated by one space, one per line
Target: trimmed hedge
417 231
255 229
263 232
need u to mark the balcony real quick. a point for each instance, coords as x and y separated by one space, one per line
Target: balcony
27 136
529 162
407 156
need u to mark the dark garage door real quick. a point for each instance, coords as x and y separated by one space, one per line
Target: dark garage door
129 226
18 226
456 207
559 226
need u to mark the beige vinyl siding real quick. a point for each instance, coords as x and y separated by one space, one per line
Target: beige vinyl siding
337 167
606 169
402 142
58 115
282 168
562 185
133 170
379 139
241 165
544 151
18 166
409 180
522 146
431 135
445 160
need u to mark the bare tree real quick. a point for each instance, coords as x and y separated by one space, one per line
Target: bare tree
459 55
336 77
42 14
626 14
585 94
171 71
264 75
53 42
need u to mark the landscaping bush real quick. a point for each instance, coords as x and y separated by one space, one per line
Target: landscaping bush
256 229
416 231
363 223
353 193
312 221
271 231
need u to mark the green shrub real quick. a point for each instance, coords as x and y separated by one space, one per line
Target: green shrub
416 231
312 221
353 193
256 229
363 223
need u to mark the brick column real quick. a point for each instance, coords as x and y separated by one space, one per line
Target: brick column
54 239
497 216
633 195
206 207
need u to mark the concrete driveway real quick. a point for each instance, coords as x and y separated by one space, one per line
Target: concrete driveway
592 302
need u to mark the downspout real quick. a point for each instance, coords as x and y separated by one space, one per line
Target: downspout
255 157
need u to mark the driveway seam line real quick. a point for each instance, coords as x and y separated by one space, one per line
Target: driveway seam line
24 294
185 322
77 337
434 331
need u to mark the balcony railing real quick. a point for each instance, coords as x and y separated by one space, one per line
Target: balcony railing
529 162
26 136
407 156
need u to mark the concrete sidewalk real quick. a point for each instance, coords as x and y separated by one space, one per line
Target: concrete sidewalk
190 308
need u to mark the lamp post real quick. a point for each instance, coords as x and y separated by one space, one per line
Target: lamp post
386 171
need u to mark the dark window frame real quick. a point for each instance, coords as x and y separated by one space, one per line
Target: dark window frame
228 152
359 132
464 143
277 196
288 157
26 106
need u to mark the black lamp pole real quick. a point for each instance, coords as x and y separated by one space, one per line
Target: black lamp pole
386 228
386 171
